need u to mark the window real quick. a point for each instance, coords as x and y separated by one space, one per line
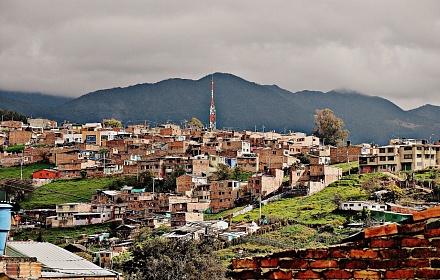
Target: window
390 150
391 158
407 156
382 150
419 155
382 158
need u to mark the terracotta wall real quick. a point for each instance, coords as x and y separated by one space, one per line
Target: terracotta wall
395 251
20 268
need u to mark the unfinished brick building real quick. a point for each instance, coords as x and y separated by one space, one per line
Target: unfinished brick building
393 251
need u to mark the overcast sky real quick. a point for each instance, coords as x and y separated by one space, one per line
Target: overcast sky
382 48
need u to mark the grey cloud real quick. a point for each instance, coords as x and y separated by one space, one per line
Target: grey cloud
388 49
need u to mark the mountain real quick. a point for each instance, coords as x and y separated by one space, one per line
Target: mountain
30 104
241 104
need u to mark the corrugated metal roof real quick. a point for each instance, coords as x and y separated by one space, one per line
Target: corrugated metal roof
112 193
56 259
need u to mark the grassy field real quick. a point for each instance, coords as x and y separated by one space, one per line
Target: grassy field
352 166
14 172
211 217
313 213
317 209
53 235
62 191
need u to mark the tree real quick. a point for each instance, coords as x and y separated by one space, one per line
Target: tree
237 173
145 179
12 115
304 158
394 193
329 127
169 184
223 173
195 123
161 258
113 123
83 173
15 149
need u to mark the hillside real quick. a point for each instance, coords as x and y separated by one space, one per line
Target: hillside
240 104
30 104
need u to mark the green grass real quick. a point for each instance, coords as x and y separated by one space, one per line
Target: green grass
63 191
352 166
289 237
53 235
316 209
14 172
244 250
211 217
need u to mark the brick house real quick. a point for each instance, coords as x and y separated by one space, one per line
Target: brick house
69 162
53 138
260 184
270 158
187 182
249 162
200 165
11 125
178 219
342 154
223 195
19 137
46 174
177 147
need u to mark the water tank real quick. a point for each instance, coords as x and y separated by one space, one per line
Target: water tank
5 225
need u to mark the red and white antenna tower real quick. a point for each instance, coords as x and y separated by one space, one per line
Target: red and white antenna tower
212 115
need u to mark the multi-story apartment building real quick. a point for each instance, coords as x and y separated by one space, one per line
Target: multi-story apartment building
249 162
404 155
270 158
72 214
263 185
19 137
223 195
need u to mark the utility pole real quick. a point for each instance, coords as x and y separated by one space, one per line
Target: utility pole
21 165
104 152
260 205
137 164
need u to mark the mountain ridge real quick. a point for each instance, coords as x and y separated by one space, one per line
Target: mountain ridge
242 104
